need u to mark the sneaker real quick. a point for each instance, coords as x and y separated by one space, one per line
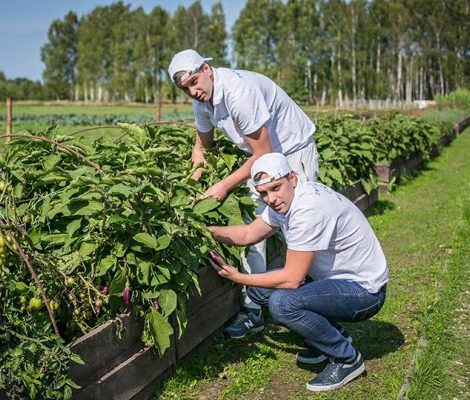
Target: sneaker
313 356
247 321
336 375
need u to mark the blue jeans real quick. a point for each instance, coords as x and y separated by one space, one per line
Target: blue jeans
314 309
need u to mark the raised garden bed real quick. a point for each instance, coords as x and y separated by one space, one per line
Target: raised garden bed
387 173
462 125
394 169
359 197
118 366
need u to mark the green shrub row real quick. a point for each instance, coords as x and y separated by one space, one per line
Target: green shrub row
94 120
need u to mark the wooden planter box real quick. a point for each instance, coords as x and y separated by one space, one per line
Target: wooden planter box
394 169
118 366
460 126
359 197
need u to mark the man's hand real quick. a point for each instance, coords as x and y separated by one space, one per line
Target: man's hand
222 268
197 174
218 191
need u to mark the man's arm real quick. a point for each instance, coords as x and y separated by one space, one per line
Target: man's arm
260 144
290 277
242 235
203 141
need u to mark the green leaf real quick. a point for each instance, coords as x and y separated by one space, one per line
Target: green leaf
120 188
73 226
163 242
118 283
167 300
205 205
160 330
105 264
85 207
77 359
146 239
231 210
182 321
86 248
135 132
143 272
51 161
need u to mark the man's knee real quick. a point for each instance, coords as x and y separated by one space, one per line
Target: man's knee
258 295
283 304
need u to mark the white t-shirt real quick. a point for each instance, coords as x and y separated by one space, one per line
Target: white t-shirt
244 101
324 221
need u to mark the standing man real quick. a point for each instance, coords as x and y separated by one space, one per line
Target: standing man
258 117
329 239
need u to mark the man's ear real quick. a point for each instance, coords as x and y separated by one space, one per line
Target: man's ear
206 68
293 178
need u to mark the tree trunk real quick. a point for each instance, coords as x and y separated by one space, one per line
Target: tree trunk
353 47
399 71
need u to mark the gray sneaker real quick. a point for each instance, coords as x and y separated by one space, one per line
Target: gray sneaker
313 356
336 375
247 321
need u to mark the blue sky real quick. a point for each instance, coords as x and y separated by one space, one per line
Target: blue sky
24 25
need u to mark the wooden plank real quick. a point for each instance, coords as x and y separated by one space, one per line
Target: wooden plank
208 318
362 202
373 197
353 191
102 349
131 377
385 172
462 125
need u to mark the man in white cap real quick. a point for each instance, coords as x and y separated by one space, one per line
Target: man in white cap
329 240
258 117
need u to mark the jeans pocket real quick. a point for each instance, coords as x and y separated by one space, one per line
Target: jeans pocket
366 313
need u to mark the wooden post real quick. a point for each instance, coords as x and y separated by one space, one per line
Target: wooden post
159 111
8 132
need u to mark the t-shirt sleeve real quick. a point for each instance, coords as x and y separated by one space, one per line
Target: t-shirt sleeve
309 230
201 119
248 109
270 217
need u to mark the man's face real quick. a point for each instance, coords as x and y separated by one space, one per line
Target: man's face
278 194
199 85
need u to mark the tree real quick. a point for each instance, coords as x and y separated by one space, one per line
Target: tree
215 36
255 35
60 55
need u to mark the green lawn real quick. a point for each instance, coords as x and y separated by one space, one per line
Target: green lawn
425 234
72 117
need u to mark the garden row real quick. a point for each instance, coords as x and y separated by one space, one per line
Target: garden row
94 120
89 232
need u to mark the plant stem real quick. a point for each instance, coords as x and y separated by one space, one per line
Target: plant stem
25 258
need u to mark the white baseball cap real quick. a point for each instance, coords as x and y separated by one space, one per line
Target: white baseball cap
187 60
275 165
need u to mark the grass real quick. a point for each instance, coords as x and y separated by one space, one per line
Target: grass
417 225
39 114
452 115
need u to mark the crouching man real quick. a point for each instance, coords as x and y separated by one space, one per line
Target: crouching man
329 239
